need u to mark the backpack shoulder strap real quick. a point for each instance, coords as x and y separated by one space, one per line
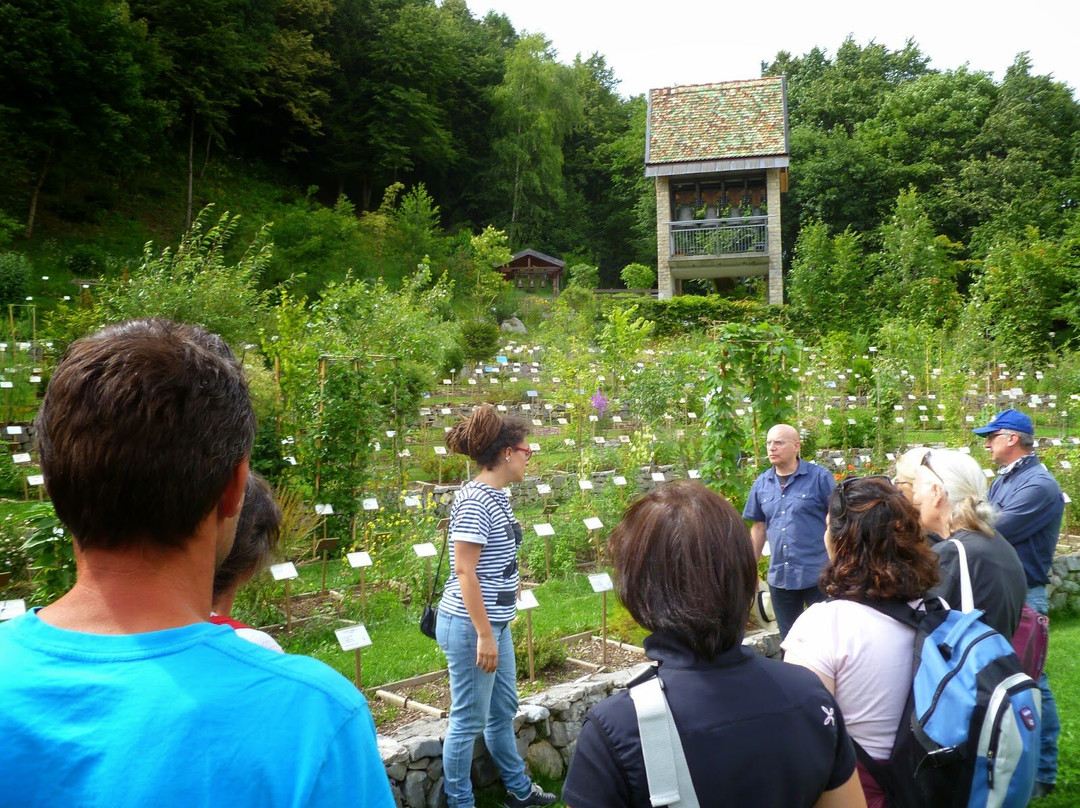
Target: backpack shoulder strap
967 597
896 609
665 762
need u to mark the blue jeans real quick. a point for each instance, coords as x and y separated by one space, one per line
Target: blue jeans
788 604
1051 724
479 702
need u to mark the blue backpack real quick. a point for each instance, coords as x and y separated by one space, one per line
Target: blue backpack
969 735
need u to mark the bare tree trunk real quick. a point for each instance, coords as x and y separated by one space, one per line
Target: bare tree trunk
37 190
190 169
206 159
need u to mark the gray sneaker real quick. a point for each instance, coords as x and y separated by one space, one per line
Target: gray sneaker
536 796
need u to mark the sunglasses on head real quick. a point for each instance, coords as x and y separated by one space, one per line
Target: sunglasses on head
842 486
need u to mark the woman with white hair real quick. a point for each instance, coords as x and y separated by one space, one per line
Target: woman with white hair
950 493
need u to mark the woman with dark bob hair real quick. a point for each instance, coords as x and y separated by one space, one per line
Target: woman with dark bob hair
877 551
755 731
478 603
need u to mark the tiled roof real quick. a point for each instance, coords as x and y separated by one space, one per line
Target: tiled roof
717 121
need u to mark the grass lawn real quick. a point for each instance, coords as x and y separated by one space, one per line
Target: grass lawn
1064 671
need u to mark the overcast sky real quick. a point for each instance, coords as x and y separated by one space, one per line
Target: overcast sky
659 44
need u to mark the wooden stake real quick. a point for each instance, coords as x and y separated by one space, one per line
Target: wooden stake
532 663
603 626
288 607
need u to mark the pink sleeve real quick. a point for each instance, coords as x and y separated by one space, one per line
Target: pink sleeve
813 639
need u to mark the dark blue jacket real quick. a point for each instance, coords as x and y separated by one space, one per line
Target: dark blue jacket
1030 507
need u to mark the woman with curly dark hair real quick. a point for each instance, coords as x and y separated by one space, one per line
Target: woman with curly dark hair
877 551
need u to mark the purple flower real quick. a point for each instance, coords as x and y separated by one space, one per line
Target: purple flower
599 403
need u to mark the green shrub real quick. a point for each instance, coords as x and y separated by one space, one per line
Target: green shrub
15 272
548 649
478 339
584 275
690 312
638 276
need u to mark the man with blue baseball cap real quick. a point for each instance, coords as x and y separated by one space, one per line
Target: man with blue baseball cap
1030 506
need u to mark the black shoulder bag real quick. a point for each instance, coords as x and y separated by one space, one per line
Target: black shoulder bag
427 619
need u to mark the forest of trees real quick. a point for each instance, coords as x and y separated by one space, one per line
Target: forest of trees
919 187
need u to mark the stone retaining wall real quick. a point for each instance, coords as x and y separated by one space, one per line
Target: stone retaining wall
547 726
1064 588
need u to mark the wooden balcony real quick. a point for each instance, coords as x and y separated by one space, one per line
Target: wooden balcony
719 248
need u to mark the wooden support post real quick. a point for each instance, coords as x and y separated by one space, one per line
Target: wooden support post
603 627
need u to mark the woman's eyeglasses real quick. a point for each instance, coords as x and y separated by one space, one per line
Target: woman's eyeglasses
524 450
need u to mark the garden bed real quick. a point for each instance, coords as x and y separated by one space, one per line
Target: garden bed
398 704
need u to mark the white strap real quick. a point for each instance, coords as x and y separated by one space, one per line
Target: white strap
967 597
665 762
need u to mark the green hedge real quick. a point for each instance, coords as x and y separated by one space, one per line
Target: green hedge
678 314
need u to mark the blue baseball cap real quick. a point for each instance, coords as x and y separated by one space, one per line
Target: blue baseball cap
1007 419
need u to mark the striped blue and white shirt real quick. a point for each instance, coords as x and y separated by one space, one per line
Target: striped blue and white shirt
482 515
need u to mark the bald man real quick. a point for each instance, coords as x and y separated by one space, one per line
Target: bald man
787 507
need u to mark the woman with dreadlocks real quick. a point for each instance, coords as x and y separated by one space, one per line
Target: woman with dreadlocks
478 603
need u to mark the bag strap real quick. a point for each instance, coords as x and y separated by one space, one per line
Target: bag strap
665 762
896 609
967 597
438 571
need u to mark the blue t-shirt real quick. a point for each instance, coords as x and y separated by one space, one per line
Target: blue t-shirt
192 716
482 515
794 518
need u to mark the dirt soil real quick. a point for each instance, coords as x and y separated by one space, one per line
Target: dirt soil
389 718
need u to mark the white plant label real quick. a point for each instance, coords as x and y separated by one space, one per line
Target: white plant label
353 637
20 458
425 550
440 450
412 502
35 479
12 608
14 430
6 385
593 523
658 477
534 447
585 485
544 529
616 419
527 600
693 474
618 480
989 473
601 582
593 419
324 510
360 559
284 571
370 504
543 488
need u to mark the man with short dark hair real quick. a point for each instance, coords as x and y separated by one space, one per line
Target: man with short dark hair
787 507
1030 506
120 693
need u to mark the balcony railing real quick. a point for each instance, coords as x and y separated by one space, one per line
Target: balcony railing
707 237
